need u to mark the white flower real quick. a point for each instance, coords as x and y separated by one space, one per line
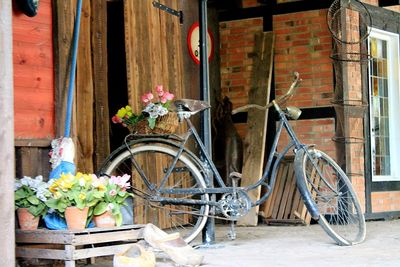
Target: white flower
110 206
155 110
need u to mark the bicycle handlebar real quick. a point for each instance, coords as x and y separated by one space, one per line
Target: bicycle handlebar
280 99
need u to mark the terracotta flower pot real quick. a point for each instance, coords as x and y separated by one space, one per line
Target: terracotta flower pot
76 218
104 220
26 220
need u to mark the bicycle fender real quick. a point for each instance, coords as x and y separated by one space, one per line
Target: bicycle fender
302 186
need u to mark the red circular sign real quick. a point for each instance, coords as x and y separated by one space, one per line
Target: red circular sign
193 42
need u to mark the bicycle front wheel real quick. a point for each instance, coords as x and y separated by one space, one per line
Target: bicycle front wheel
330 188
154 160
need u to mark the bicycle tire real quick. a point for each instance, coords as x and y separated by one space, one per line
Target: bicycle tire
333 195
187 220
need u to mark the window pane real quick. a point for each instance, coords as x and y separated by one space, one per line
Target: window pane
380 107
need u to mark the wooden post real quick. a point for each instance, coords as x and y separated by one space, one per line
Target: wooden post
254 143
63 21
7 157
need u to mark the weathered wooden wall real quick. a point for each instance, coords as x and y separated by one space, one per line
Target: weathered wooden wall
154 49
90 121
156 53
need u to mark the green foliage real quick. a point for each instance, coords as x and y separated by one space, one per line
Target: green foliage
115 195
80 190
31 194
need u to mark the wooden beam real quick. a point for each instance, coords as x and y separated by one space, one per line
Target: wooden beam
63 19
100 80
254 143
40 142
7 157
84 94
271 8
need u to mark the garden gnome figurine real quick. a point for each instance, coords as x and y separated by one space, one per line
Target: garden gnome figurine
62 161
62 157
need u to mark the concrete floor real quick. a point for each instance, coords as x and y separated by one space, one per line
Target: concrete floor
296 246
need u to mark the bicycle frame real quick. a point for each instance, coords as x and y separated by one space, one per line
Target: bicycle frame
270 169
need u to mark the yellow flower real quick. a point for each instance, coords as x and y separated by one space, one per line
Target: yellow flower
82 196
57 195
102 187
121 112
65 185
53 187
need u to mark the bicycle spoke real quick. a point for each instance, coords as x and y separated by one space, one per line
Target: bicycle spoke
336 201
154 161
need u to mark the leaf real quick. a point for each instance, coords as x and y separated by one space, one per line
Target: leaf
19 194
100 208
92 203
118 219
35 211
33 200
152 122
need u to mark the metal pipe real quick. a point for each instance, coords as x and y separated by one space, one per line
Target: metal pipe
209 230
7 155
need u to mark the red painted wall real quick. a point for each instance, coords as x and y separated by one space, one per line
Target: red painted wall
33 73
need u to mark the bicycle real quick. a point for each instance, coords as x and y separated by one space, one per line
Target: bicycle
173 188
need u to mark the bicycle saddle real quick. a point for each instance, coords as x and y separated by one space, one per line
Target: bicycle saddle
191 105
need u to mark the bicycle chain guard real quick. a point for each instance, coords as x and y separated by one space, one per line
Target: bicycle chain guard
235 205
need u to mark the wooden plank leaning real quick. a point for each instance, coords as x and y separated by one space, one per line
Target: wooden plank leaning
254 143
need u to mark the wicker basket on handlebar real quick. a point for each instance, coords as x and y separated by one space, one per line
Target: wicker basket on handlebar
166 124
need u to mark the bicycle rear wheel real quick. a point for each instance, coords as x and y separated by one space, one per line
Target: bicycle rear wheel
154 160
330 188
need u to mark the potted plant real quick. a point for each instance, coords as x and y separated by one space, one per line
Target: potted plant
30 196
74 197
154 116
114 198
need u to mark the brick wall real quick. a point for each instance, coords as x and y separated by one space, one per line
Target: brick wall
255 3
318 132
250 3
236 50
237 46
302 43
385 201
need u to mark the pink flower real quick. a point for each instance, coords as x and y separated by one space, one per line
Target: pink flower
160 90
116 119
147 97
112 192
169 96
121 181
163 99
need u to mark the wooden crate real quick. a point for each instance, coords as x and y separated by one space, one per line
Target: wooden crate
285 205
72 245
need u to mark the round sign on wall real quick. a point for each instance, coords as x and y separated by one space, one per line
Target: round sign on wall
193 41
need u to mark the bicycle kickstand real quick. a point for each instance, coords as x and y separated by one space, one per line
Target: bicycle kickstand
235 176
232 231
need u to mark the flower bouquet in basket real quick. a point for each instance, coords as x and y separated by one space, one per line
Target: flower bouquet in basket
154 117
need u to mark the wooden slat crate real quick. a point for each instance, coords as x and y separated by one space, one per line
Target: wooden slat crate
285 205
72 245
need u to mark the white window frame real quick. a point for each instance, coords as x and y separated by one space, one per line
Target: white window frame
393 61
